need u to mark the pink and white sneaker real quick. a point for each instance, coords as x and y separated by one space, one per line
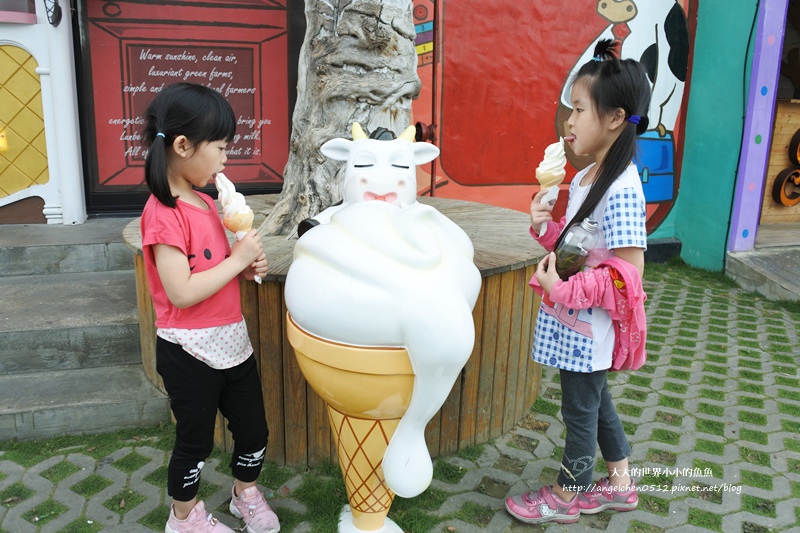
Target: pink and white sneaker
603 496
543 506
198 521
251 507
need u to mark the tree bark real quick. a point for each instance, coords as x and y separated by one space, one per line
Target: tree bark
357 64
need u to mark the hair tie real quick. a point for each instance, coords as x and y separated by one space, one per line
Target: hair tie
634 119
159 134
597 58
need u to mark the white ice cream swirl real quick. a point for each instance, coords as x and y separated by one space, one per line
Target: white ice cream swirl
232 202
554 158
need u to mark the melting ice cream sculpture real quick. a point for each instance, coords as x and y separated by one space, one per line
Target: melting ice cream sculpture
382 276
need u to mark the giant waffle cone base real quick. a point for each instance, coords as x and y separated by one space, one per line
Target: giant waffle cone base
367 391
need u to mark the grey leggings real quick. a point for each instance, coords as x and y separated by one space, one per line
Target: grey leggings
591 420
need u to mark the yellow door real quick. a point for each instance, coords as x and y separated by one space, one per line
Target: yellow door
23 154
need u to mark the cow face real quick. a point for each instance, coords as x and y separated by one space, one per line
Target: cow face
617 11
379 170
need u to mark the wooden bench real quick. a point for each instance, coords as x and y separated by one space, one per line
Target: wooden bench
497 387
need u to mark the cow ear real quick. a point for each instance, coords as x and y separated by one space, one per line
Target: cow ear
338 149
424 153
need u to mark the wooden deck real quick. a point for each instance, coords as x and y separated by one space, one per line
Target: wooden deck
498 384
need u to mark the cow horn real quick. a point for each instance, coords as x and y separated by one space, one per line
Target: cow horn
358 132
410 134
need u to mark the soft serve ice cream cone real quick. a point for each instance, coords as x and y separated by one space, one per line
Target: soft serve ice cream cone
550 174
237 216
239 223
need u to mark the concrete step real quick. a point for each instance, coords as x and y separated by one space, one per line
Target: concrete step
70 358
96 245
94 400
772 272
68 321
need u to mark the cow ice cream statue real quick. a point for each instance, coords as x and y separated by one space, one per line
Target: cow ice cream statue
380 296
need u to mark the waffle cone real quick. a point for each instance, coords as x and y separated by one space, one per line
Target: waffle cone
239 221
550 179
367 391
360 445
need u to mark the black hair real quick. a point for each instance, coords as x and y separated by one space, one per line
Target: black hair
612 84
195 111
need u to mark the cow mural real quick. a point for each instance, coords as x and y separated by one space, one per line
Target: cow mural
382 269
656 34
495 94
658 37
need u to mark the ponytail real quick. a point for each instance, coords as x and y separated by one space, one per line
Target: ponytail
613 84
199 113
155 169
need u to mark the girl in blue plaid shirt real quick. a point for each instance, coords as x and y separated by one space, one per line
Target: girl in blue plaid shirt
610 99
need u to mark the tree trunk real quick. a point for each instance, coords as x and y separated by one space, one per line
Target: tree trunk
358 64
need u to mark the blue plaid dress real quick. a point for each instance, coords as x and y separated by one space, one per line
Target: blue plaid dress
582 341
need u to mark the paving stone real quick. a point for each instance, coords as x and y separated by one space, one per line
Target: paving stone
127 528
73 501
719 380
14 521
95 510
491 454
154 496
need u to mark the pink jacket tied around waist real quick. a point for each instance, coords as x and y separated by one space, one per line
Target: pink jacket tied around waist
614 285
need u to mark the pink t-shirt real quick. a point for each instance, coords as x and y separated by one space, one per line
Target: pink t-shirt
200 235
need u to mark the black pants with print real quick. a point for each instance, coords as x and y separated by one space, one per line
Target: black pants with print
195 392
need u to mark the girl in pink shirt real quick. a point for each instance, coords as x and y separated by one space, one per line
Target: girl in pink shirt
203 351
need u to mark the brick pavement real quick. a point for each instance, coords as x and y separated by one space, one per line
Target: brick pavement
716 405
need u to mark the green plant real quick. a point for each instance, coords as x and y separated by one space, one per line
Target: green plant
473 513
14 494
757 505
670 401
124 501
545 407
91 485
471 453
705 519
131 462
447 472
85 525
60 471
709 446
45 512
759 437
326 496
756 479
29 453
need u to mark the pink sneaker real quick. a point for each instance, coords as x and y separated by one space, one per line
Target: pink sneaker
603 496
251 507
198 521
543 506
